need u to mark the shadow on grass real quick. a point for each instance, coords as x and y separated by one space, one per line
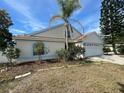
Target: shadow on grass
121 87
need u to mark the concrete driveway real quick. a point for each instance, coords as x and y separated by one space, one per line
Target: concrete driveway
109 58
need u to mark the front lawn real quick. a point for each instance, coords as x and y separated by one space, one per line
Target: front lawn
85 78
10 72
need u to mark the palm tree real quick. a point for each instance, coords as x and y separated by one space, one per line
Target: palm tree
67 8
39 49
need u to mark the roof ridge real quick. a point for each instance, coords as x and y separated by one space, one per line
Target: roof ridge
45 29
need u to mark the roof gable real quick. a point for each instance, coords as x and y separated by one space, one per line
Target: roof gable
56 32
93 37
45 30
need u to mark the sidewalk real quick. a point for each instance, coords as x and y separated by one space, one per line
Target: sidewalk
109 58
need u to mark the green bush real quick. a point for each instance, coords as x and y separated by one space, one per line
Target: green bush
74 51
62 54
17 52
106 50
121 49
11 53
71 53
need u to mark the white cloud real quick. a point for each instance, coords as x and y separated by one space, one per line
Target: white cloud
17 31
25 10
97 29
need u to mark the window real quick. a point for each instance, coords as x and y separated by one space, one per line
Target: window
37 51
42 52
88 44
92 44
84 44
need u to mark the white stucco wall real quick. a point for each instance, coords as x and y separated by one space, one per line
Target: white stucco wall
26 48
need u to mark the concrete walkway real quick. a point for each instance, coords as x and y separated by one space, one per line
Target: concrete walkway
109 58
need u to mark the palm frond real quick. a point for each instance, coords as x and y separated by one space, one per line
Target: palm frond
68 7
53 18
79 23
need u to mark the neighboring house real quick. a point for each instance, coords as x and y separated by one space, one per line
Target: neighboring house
54 39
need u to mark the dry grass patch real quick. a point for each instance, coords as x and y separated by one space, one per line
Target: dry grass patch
95 78
27 67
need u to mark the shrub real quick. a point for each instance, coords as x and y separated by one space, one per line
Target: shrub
17 52
11 53
75 51
62 54
71 53
121 49
106 50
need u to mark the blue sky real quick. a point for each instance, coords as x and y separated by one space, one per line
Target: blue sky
33 15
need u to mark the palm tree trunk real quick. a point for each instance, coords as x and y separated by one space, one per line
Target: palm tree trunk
114 48
39 58
66 34
66 38
113 43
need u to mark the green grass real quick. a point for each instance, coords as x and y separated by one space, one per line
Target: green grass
86 62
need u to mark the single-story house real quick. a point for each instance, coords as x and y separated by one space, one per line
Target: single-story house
54 39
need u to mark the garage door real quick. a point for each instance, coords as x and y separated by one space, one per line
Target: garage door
93 51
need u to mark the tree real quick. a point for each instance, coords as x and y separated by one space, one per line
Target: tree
106 50
39 49
112 21
121 49
121 37
67 8
5 23
11 52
